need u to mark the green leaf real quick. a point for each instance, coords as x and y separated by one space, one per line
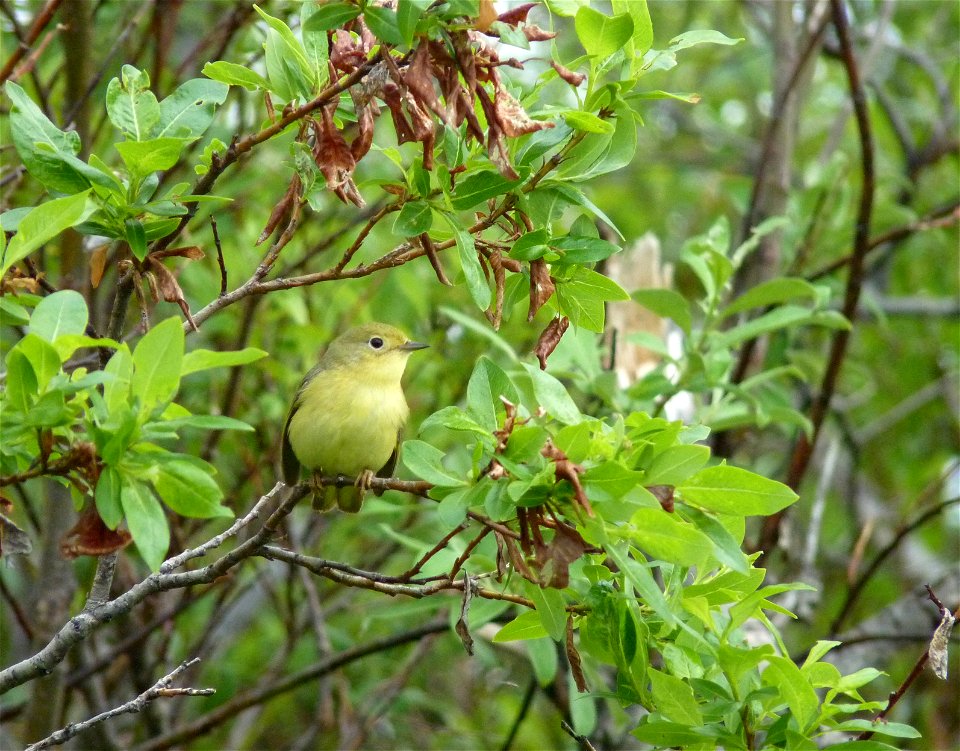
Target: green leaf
45 222
409 13
642 38
664 538
383 23
602 35
700 36
543 658
610 481
136 237
552 396
530 246
415 218
487 384
154 155
189 110
146 522
472 271
131 106
21 386
107 497
426 463
331 15
116 390
206 422
454 418
63 312
731 490
667 304
675 464
236 75
583 294
726 547
580 249
895 729
588 122
43 358
527 625
551 608
642 580
479 187
799 695
673 735
674 698
771 292
48 153
189 491
207 359
157 361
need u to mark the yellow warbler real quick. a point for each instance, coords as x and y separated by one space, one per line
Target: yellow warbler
348 413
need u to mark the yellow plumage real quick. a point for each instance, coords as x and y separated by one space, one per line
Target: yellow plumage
348 413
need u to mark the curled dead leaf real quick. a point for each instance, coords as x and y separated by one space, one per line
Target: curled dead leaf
541 286
90 536
571 77
550 338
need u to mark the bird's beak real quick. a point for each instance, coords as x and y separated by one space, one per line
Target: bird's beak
411 346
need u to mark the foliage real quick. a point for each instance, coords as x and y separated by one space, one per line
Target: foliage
577 521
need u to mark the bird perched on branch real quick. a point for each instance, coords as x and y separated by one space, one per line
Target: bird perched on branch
348 413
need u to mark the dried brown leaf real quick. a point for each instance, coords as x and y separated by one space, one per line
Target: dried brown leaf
427 244
550 338
534 33
541 286
664 494
282 209
90 536
571 77
516 15
335 160
513 118
573 657
98 264
164 285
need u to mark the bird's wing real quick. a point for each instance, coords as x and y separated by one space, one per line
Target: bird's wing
387 469
291 465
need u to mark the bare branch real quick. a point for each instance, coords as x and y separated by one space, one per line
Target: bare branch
159 689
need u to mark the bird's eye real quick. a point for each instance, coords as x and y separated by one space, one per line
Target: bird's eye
376 342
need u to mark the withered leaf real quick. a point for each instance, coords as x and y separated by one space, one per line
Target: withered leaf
335 160
98 264
13 540
514 119
90 536
534 33
550 338
571 77
283 207
164 285
573 656
427 244
541 286
664 494
516 15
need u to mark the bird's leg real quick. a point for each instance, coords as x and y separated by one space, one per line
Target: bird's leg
365 480
323 498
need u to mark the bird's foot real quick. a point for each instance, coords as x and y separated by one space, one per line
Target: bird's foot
365 480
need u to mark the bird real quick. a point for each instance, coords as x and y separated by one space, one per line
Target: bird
348 414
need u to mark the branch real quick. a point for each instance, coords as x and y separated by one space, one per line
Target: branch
42 20
897 695
377 582
159 689
856 589
82 625
264 693
803 449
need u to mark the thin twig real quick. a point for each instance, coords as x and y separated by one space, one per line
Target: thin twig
159 689
803 449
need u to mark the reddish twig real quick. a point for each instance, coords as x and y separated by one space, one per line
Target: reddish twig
803 449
